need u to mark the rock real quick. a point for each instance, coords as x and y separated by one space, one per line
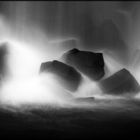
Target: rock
66 75
122 82
89 63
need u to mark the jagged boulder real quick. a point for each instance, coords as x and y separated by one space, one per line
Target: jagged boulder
65 74
122 82
89 63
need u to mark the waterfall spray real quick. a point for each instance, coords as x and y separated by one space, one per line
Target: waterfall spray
29 46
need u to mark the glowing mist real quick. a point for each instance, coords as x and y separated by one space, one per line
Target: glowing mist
29 46
25 85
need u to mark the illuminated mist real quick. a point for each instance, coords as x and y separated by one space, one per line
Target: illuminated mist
30 44
24 85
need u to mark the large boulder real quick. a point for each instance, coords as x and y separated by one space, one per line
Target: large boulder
65 74
89 63
120 83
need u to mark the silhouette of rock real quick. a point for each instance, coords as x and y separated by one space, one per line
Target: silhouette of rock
89 63
67 75
122 82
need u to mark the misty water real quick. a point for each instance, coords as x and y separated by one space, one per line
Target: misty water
33 29
35 104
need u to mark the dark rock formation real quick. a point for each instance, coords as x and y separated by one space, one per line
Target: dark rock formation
120 83
89 63
67 75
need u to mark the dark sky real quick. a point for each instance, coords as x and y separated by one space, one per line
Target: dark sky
98 25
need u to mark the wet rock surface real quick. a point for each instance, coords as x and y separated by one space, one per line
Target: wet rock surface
122 82
67 75
89 63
